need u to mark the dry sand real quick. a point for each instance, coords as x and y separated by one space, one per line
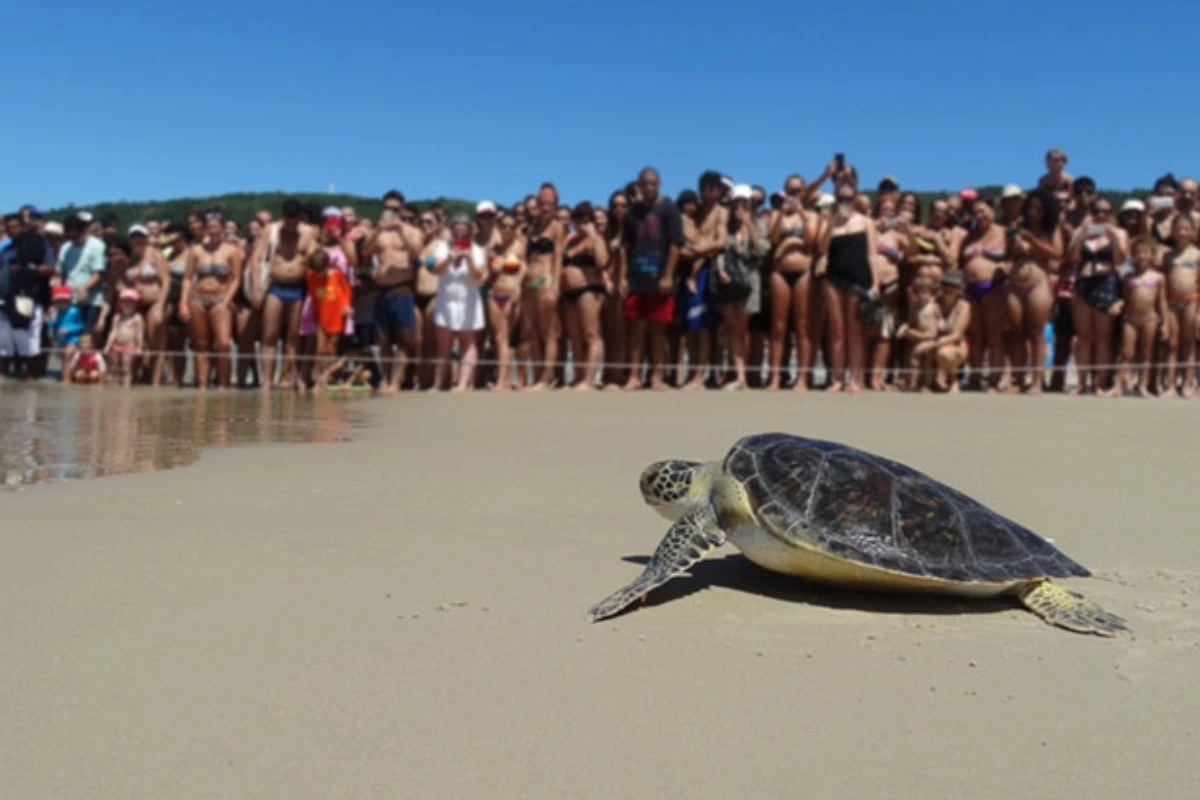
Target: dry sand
403 616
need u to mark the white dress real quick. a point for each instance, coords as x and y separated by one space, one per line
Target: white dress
458 304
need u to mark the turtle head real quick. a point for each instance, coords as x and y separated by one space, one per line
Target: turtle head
673 487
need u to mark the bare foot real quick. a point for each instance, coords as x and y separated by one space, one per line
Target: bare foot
694 385
1035 389
583 386
736 386
632 385
853 387
954 389
834 386
658 385
800 385
1142 391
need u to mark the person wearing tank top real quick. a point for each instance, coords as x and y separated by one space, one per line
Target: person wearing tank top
849 277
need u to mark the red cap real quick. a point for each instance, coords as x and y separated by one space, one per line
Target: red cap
61 293
969 194
334 224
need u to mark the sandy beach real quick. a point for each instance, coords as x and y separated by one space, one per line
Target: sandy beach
402 615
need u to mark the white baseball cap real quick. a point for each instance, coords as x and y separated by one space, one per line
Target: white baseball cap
486 207
137 229
1011 190
742 191
1133 205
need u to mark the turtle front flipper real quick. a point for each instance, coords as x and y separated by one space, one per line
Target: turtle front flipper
1066 609
688 540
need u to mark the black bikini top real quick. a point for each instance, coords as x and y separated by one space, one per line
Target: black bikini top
1102 256
584 259
540 245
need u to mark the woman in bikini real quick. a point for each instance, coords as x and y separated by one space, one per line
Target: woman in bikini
585 259
214 273
894 241
1144 298
1035 248
539 300
849 277
794 234
1096 248
613 314
151 279
935 246
750 248
426 291
507 271
982 261
1183 291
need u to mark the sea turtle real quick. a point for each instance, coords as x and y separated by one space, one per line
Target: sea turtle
840 516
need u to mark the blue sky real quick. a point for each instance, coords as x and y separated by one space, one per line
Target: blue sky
146 100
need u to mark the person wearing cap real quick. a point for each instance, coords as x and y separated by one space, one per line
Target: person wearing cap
67 324
1134 222
395 247
1012 199
81 265
127 336
950 348
650 250
735 280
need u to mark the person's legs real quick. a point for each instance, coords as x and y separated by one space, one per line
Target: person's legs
221 332
272 318
468 348
201 336
834 318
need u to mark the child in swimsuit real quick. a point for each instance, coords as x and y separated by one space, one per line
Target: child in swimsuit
67 323
1183 291
329 292
85 365
127 336
1144 300
923 324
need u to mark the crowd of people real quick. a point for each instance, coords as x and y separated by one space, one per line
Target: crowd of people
723 286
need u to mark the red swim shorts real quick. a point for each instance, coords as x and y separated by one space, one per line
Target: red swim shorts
658 308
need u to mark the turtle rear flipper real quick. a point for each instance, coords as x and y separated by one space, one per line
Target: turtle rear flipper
1066 609
689 539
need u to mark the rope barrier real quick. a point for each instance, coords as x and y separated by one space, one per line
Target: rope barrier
1183 368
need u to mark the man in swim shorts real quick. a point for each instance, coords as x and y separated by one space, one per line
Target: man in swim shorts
395 247
651 241
286 245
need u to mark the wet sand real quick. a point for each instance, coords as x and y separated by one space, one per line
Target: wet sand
402 615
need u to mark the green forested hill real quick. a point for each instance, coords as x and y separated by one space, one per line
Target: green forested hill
242 206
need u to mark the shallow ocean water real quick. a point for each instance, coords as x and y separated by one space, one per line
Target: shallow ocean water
51 433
